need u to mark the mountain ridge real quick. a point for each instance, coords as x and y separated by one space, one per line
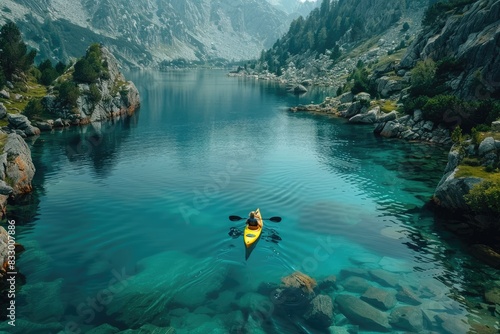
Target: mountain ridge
147 33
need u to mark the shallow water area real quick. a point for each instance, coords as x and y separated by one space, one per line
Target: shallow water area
128 226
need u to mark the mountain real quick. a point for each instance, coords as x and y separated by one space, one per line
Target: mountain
295 7
148 32
337 26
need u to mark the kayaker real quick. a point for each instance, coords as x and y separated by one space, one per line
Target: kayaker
252 222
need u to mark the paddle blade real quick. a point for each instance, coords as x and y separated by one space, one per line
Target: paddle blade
275 219
235 218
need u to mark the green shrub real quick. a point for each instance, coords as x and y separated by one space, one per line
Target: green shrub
484 197
68 93
474 162
33 108
414 103
475 136
94 94
442 109
456 135
423 78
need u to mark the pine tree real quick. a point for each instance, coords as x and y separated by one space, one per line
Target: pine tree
13 51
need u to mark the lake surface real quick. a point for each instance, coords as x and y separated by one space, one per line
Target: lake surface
128 225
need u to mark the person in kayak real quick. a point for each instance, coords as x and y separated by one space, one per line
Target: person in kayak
252 221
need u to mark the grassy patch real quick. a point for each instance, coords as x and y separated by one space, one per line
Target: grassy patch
386 106
3 140
495 135
396 56
477 171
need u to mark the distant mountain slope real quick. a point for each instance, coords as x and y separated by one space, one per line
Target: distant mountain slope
336 25
147 32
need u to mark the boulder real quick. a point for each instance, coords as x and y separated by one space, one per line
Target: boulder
5 189
381 299
299 89
58 123
362 97
408 318
44 126
385 278
320 314
495 126
4 94
387 86
348 272
450 191
346 97
300 281
18 121
20 169
391 129
355 284
452 324
369 118
3 111
428 126
353 109
362 313
417 115
486 146
391 116
405 295
32 131
328 283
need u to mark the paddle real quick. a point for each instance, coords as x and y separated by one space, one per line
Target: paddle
273 219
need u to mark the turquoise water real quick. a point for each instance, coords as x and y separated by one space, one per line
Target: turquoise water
128 225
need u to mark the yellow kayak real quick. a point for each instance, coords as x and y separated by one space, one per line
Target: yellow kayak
252 233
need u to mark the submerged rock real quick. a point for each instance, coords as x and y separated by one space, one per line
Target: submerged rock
169 277
409 318
355 284
405 295
381 299
299 280
362 313
320 314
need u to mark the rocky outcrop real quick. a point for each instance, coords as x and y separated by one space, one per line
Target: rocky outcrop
450 192
471 34
21 123
16 169
414 127
19 170
118 97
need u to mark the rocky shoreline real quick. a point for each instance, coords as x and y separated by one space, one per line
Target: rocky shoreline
118 98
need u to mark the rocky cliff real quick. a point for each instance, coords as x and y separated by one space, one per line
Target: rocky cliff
470 34
145 33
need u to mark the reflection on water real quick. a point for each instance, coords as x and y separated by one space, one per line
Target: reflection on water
128 226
